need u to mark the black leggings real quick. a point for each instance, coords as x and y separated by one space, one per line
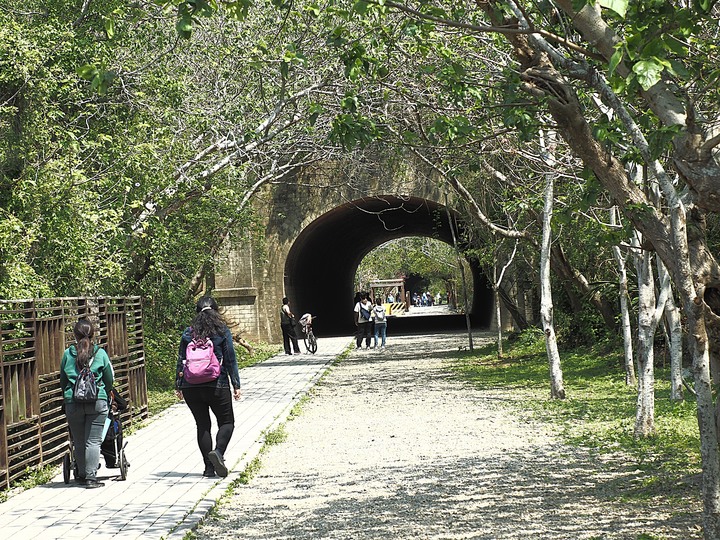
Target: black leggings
201 400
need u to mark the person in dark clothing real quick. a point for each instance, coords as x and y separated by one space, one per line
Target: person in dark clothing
362 316
215 395
287 324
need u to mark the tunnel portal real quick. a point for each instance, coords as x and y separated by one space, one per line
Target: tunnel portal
321 264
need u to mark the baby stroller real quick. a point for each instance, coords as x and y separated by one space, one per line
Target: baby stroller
112 447
308 336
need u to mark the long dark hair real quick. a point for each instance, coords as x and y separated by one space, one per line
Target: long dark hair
83 332
208 321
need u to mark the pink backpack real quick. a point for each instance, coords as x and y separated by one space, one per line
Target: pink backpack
201 364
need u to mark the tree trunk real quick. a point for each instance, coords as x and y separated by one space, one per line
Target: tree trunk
692 266
707 416
574 279
498 317
517 311
557 389
645 412
630 378
497 284
674 328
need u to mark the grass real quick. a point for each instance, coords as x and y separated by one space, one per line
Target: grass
33 476
599 411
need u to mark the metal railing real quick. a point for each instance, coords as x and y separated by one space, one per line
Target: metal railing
33 335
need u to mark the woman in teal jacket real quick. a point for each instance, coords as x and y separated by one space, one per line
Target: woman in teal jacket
86 420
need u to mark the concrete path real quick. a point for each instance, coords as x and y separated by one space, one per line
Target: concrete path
165 494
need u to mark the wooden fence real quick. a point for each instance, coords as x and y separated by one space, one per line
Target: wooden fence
33 335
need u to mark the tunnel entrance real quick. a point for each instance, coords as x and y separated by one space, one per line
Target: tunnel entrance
320 267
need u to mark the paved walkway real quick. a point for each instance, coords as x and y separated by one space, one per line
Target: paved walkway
165 494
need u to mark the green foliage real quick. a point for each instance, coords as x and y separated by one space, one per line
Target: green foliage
352 130
618 6
433 260
160 399
250 471
261 352
36 476
161 354
578 329
276 436
90 203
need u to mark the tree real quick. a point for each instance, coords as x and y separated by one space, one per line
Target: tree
461 77
432 259
557 388
548 76
630 377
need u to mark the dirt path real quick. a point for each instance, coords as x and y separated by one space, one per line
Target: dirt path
392 445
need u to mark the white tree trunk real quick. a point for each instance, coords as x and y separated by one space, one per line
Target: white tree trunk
674 328
497 311
497 280
557 389
630 378
645 413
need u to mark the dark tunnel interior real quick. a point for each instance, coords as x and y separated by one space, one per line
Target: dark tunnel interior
321 264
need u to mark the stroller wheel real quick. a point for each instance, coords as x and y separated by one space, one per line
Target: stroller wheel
123 465
66 468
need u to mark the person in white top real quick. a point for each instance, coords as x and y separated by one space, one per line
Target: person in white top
287 325
363 315
379 315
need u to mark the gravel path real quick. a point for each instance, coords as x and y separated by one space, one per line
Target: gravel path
393 445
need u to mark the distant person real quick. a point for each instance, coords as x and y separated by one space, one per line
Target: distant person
86 419
379 315
287 324
391 298
363 316
203 396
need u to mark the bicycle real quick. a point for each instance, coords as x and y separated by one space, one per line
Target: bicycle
308 335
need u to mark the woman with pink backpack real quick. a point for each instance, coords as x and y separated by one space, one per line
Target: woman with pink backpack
206 368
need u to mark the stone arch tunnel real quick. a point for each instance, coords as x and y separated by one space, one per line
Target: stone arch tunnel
321 264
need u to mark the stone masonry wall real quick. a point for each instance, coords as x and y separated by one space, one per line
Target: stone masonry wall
250 285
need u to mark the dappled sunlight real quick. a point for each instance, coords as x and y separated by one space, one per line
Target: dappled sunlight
394 445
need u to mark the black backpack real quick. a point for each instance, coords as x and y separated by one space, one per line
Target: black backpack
85 389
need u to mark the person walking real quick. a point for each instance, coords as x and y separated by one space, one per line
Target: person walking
379 315
214 394
86 419
362 315
287 324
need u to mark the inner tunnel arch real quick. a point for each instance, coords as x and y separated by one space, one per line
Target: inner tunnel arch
321 264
